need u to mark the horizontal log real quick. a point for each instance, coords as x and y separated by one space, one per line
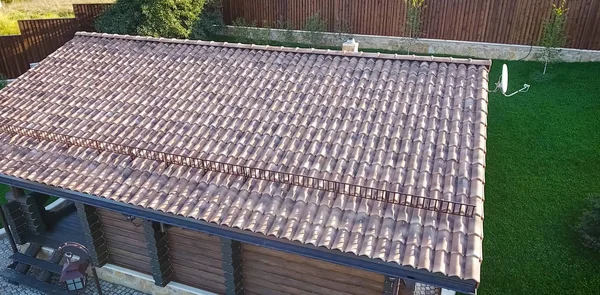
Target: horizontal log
306 284
198 236
130 263
199 283
337 282
124 253
185 259
255 289
122 224
263 283
138 241
103 213
255 250
140 250
199 273
193 246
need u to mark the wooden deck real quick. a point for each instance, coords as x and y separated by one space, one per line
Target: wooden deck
64 227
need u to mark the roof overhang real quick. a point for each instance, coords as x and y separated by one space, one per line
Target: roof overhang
320 253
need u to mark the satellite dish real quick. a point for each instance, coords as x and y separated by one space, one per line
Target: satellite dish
504 81
502 84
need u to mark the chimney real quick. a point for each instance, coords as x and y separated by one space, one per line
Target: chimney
350 46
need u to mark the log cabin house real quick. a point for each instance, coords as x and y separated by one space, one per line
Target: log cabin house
245 169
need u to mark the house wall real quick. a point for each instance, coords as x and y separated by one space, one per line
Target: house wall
126 242
272 272
196 260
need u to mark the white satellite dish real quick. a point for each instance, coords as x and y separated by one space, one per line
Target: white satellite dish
502 84
504 79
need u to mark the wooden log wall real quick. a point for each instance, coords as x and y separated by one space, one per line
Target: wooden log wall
497 21
125 241
272 272
196 259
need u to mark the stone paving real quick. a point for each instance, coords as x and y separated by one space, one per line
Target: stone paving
422 289
7 288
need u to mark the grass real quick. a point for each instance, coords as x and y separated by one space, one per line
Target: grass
35 9
543 162
3 190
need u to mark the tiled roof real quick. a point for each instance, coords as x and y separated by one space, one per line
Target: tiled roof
401 123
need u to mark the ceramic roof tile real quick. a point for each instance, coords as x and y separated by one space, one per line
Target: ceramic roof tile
402 123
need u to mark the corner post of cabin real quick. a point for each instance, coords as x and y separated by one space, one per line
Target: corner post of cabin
158 251
390 286
32 206
398 286
93 233
232 266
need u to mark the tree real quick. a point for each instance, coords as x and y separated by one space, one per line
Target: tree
414 21
170 18
210 22
553 34
123 18
157 18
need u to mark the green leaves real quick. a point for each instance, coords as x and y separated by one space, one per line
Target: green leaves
157 18
315 26
553 34
210 23
3 82
123 17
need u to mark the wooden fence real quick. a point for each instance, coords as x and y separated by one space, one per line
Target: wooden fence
41 37
497 21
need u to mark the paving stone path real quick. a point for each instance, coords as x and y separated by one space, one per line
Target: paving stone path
7 288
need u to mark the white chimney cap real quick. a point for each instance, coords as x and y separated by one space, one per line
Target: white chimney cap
351 45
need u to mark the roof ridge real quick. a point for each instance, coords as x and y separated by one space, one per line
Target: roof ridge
378 55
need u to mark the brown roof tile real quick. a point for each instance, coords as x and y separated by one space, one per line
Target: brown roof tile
411 124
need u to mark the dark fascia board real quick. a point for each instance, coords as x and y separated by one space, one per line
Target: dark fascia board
320 253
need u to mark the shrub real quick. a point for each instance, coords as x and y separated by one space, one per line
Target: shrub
157 18
123 18
288 33
170 18
315 26
3 82
589 225
263 35
210 22
242 31
414 21
553 34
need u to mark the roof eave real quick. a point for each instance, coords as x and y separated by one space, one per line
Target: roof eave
347 259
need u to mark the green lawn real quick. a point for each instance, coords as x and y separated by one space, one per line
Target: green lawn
543 162
3 191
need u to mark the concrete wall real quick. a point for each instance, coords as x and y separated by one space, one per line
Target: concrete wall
425 46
